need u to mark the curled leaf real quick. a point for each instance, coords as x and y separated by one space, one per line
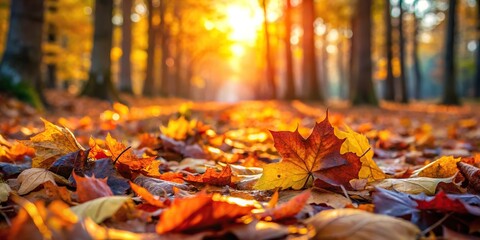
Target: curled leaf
212 177
89 188
52 143
443 167
413 185
351 224
34 177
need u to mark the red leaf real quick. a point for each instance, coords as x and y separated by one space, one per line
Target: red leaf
212 177
89 188
198 212
442 203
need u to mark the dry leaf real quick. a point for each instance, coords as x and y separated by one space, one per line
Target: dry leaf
288 209
101 208
178 129
34 177
358 144
198 212
212 177
413 185
352 224
443 167
4 191
302 157
89 188
472 174
52 143
147 196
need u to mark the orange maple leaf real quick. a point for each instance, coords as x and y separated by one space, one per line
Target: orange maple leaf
212 177
147 196
89 188
198 212
288 209
301 158
126 161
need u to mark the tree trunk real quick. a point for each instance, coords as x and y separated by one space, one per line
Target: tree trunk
51 77
361 84
389 81
401 43
164 41
125 63
416 58
450 96
150 87
272 93
99 84
477 74
290 80
180 87
20 66
310 82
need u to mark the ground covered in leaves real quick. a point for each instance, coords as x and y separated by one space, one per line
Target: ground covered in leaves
167 169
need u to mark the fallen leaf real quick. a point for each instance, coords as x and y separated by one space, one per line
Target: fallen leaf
158 187
96 152
58 193
212 177
302 157
89 188
472 175
198 212
413 185
16 152
443 203
101 208
288 209
4 191
178 129
318 197
147 196
443 167
350 224
34 177
52 143
127 161
358 144
393 203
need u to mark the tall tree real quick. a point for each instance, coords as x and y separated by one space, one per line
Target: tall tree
401 45
389 81
416 58
268 55
20 65
52 32
125 84
361 83
150 87
163 31
100 84
312 91
290 80
450 96
477 74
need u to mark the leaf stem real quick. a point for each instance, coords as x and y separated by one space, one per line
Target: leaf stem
119 155
427 230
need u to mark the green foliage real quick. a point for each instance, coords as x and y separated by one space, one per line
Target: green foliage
22 91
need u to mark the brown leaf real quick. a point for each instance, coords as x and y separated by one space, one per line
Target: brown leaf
52 143
212 177
198 212
89 188
301 158
471 174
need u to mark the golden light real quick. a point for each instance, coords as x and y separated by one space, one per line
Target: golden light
244 22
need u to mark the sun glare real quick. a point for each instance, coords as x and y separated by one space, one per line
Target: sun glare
244 22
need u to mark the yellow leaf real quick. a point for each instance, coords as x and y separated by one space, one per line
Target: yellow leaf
178 129
4 192
443 167
34 177
358 144
413 185
101 208
353 224
52 143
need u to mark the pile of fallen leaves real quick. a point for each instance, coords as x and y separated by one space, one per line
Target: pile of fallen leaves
209 173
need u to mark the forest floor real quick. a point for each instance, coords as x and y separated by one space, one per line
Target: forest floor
207 169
